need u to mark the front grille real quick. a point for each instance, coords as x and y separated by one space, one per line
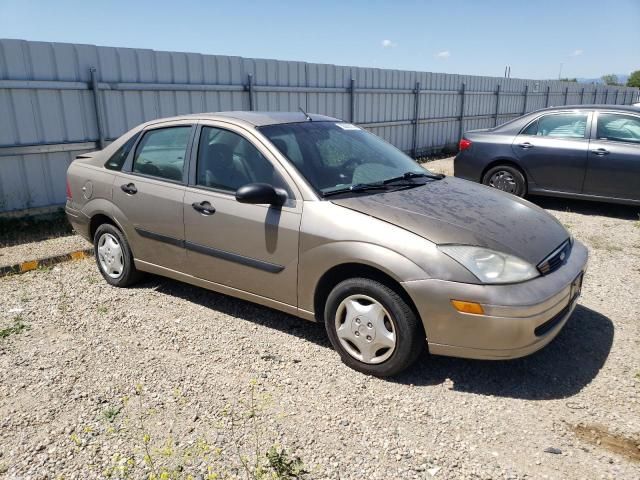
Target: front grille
556 259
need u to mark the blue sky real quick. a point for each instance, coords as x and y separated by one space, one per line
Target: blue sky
588 37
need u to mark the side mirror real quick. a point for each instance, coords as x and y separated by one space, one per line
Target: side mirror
261 193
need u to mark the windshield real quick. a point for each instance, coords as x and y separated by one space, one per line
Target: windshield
335 156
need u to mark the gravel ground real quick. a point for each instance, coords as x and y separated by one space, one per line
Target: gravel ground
42 249
94 379
443 165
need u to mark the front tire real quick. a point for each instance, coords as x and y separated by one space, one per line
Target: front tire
114 257
372 327
506 178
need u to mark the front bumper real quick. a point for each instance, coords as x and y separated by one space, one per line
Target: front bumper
519 318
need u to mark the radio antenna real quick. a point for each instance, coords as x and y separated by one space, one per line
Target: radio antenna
305 114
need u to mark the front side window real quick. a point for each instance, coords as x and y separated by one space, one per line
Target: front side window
335 155
227 161
162 151
564 125
618 128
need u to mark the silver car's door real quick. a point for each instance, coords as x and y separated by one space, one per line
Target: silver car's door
613 168
253 248
149 191
553 150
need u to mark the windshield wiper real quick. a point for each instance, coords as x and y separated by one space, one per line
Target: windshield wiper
409 175
366 187
358 187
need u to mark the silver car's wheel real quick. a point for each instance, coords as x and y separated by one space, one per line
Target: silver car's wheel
365 329
110 255
503 180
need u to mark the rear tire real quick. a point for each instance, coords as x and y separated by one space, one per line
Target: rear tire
373 328
506 178
114 257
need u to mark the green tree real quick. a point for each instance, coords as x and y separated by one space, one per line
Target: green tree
610 79
634 79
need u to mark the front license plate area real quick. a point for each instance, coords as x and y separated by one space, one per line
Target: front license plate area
576 286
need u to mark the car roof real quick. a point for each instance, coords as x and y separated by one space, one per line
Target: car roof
626 108
257 119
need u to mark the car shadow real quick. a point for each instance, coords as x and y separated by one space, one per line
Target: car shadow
242 309
561 369
587 207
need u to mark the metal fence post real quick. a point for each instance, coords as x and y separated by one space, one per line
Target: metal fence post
495 123
352 92
249 89
548 91
616 100
416 115
624 100
462 89
526 97
595 95
566 95
606 96
98 106
582 96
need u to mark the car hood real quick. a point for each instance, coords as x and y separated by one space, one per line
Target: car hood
461 212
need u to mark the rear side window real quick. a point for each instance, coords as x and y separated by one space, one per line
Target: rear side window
570 125
161 152
117 159
618 128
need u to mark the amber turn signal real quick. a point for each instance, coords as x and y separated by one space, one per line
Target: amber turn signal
467 307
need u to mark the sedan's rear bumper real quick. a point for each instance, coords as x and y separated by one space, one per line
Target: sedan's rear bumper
79 221
518 319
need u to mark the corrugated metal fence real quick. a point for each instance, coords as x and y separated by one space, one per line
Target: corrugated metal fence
58 100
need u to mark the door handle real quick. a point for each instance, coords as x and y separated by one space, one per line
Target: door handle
129 188
204 208
526 145
600 151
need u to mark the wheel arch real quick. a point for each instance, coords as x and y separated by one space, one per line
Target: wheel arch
504 161
344 271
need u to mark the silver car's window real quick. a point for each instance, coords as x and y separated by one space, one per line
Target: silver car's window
334 156
563 125
161 152
618 128
227 161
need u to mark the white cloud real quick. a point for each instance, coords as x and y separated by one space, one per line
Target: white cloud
388 44
444 54
577 53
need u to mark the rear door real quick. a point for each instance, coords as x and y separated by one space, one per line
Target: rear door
253 248
614 156
553 150
149 192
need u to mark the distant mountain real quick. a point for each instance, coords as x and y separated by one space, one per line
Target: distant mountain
622 78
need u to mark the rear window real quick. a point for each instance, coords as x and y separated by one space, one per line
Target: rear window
116 160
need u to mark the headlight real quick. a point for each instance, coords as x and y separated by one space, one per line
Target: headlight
491 266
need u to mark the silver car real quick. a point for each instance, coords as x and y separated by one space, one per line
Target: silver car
321 219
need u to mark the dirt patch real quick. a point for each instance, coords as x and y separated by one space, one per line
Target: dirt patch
601 437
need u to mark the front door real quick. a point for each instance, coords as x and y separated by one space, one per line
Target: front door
253 248
149 193
553 150
614 157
